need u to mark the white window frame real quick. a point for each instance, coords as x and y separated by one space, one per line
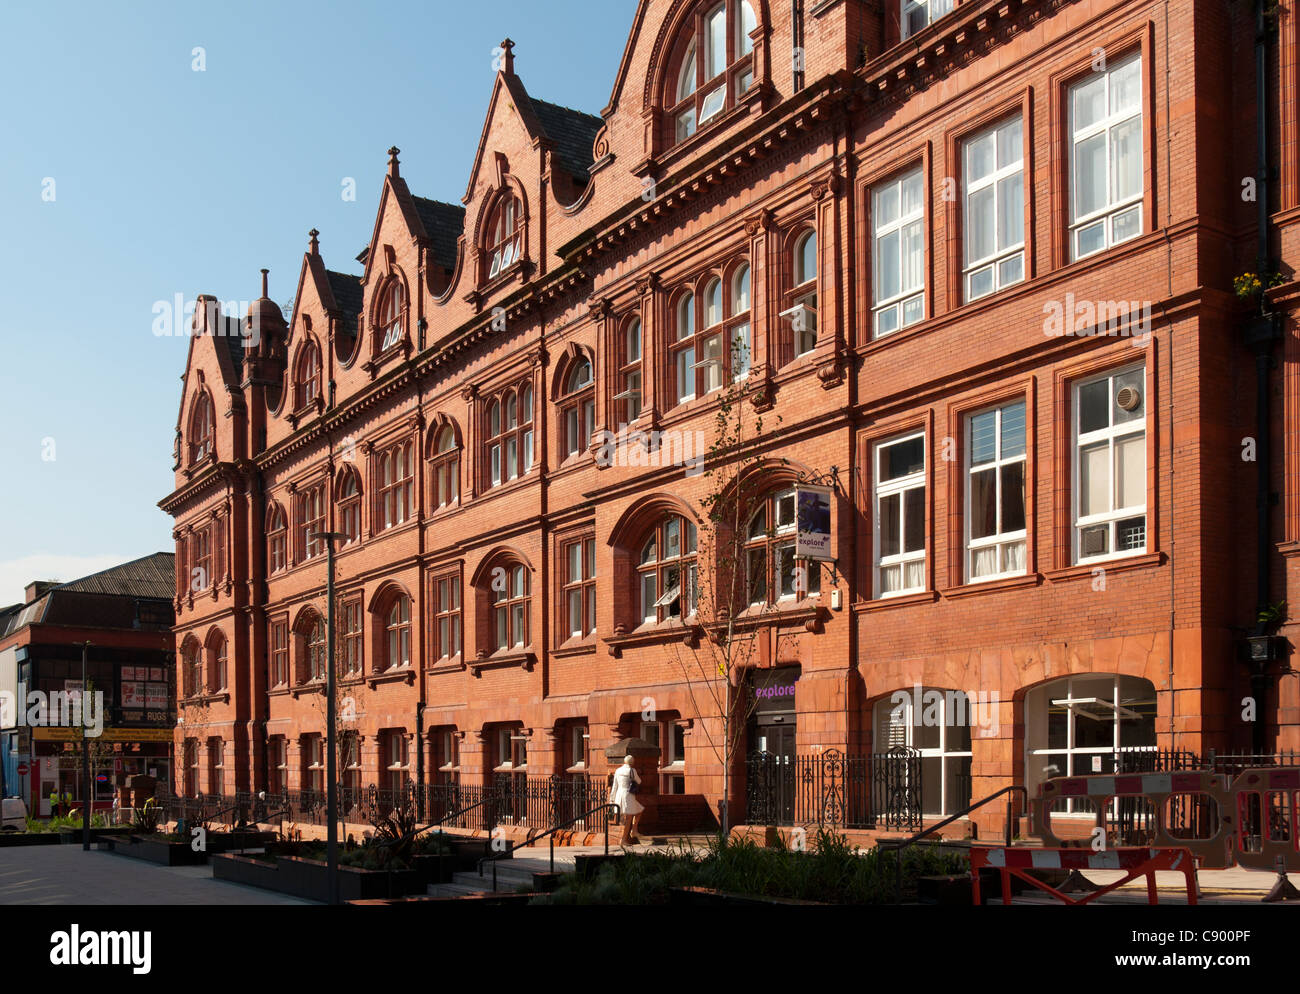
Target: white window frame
1107 125
948 801
1110 435
899 225
1001 254
931 9
999 538
900 486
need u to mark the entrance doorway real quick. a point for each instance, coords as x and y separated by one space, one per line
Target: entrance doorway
771 780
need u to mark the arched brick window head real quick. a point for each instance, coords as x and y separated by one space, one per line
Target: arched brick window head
629 372
398 633
445 468
306 380
505 235
193 669
578 408
714 66
802 296
276 539
667 573
390 316
217 656
202 428
349 501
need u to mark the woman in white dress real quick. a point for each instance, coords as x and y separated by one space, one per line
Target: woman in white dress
621 793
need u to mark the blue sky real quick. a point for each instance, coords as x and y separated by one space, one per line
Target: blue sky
168 180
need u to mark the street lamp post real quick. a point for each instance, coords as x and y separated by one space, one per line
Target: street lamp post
331 692
86 792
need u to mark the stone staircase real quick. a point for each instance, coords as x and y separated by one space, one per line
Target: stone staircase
511 875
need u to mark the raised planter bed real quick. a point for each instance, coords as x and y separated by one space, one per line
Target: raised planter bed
493 900
708 897
587 866
8 839
155 850
436 869
308 878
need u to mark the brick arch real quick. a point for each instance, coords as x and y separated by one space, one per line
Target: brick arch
665 45
640 516
390 270
506 182
567 359
499 555
436 425
347 469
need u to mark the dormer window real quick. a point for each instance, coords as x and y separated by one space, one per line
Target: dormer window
390 316
202 431
307 377
505 231
715 68
920 14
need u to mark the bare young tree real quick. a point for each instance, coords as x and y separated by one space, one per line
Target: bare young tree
722 646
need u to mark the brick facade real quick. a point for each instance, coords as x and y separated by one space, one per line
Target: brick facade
611 219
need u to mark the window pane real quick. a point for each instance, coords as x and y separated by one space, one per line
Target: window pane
713 103
902 458
673 538
1011 211
1010 143
1013 497
914 520
1011 270
757 575
890 526
1094 405
979 224
980 157
1126 86
575 563
1094 489
744 44
1090 175
983 504
1134 379
1131 471
913 257
984 562
888 274
715 34
886 207
911 193
1126 149
634 341
1089 102
649 594
1013 430
575 612
983 438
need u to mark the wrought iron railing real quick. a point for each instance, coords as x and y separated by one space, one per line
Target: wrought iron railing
832 789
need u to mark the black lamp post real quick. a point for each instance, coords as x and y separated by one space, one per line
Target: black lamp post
86 792
331 773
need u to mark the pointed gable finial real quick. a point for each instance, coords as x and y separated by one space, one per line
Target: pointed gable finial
313 246
508 57
392 162
264 272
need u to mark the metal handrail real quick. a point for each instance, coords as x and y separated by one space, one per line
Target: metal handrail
899 845
551 832
434 824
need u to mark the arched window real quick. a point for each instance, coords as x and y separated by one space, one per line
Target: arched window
629 372
396 485
390 316
505 235
349 501
202 428
683 349
306 380
714 66
317 650
772 573
445 467
192 668
738 323
310 647
668 580
938 726
509 432
1089 723
578 408
712 340
802 298
217 663
398 630
277 531
510 608
311 522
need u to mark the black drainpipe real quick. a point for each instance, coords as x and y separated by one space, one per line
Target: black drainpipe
1262 334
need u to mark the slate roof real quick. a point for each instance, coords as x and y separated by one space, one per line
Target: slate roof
347 293
151 576
232 329
443 223
572 132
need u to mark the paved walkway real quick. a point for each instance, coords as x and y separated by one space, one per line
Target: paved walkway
69 875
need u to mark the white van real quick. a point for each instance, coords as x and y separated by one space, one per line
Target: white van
13 815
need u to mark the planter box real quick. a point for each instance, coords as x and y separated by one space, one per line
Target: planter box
952 890
164 852
434 869
72 837
708 897
8 839
219 842
308 879
493 900
587 867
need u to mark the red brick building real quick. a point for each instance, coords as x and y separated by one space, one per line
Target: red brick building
977 258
